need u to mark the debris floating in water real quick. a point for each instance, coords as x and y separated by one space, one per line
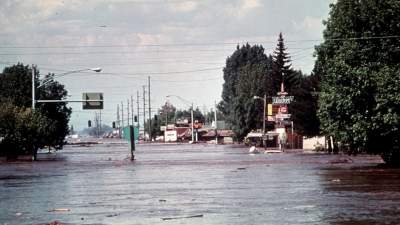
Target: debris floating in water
60 210
182 217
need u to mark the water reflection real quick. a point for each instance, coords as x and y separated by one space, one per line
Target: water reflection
361 195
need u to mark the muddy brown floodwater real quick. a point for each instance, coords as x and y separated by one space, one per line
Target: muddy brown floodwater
197 184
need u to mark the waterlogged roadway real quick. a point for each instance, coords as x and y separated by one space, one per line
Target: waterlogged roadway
198 184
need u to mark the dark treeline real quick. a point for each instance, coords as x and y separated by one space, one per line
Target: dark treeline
250 72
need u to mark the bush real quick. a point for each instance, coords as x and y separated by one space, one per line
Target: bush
22 131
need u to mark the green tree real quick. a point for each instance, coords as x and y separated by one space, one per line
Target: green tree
167 113
304 107
22 130
358 65
59 112
16 88
186 114
248 112
241 57
210 116
282 68
247 74
16 85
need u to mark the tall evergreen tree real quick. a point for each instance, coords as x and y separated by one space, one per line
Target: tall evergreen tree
282 68
303 109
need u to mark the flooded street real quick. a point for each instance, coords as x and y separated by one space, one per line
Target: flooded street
198 184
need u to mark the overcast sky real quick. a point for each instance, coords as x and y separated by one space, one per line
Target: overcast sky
182 45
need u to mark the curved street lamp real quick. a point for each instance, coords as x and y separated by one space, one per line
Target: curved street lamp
48 80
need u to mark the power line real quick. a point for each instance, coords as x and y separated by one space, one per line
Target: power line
194 44
139 73
107 52
166 73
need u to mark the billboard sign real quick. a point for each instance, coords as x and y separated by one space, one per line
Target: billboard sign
92 101
282 100
170 136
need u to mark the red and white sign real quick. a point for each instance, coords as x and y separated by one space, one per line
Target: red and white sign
283 109
170 136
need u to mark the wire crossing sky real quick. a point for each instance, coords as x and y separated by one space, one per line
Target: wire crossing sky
181 44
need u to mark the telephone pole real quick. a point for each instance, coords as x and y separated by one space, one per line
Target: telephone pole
96 119
216 126
118 122
137 102
127 107
132 110
149 112
144 111
122 114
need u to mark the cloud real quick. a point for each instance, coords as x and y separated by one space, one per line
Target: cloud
186 6
309 23
134 23
250 4
242 8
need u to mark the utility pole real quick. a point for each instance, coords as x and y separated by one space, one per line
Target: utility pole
33 88
144 111
96 120
132 110
149 112
191 115
118 122
216 126
122 114
127 107
137 102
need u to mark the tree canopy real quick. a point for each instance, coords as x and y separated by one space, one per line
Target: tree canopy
246 74
250 72
16 93
358 62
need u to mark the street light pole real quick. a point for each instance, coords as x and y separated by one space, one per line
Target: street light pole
33 87
191 112
49 80
216 124
265 104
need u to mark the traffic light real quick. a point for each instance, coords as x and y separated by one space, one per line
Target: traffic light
155 117
135 118
113 125
89 123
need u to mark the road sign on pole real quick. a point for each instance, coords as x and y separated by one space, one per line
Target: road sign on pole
92 101
282 100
